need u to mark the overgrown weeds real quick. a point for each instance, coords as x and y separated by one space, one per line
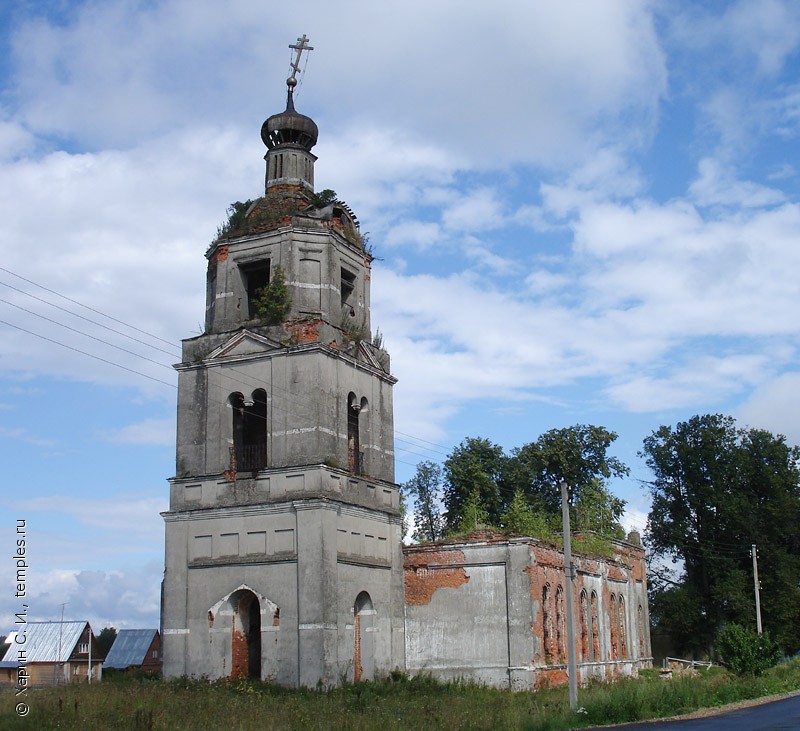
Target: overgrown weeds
397 702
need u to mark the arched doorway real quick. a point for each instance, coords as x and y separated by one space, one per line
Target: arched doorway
246 636
363 638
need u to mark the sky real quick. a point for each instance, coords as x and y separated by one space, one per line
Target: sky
583 213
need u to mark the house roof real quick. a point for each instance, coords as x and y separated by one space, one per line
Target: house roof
46 641
129 648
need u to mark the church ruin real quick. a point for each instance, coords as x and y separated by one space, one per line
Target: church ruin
284 556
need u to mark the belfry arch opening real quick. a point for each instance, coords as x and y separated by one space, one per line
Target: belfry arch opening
246 636
249 430
355 455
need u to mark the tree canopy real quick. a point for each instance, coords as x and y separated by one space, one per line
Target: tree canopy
717 490
425 487
481 485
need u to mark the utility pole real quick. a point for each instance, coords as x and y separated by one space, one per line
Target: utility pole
757 588
59 662
572 665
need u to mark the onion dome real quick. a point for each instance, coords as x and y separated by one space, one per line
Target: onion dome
290 127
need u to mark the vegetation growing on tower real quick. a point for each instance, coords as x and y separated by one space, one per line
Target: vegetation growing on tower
272 302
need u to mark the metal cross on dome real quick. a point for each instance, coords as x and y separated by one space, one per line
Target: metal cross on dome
300 46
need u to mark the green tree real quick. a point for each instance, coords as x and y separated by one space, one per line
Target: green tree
474 466
520 519
105 639
272 301
746 652
596 509
717 490
578 455
473 515
426 489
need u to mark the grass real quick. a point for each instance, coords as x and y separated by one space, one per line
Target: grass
399 703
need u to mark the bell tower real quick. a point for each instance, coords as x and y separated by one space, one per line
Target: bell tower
283 536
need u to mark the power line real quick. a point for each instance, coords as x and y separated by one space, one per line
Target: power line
85 334
89 355
87 307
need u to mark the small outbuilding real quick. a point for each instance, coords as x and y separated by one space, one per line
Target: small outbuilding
52 653
135 648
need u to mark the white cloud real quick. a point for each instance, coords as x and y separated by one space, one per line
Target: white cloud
418 233
123 599
555 72
134 513
149 431
774 406
23 435
715 186
477 210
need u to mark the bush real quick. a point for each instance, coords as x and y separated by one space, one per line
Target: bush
745 652
273 303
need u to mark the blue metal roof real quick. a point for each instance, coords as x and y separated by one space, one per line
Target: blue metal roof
46 641
129 648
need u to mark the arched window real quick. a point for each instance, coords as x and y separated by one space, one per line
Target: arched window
363 638
355 462
623 649
613 626
249 430
595 629
585 620
640 631
561 625
547 626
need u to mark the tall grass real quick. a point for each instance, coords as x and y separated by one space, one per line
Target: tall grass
143 704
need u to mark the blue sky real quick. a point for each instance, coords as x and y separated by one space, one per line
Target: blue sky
583 213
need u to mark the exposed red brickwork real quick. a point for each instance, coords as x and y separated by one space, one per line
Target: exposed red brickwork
239 655
595 580
230 474
357 668
583 613
639 571
551 678
422 579
614 627
303 331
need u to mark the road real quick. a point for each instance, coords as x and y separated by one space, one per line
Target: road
781 714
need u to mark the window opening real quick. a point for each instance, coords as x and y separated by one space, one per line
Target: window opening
613 621
584 626
595 628
256 277
348 286
561 625
250 431
640 630
547 628
355 462
623 650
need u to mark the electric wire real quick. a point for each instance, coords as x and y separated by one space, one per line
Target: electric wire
242 379
85 334
87 307
90 355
